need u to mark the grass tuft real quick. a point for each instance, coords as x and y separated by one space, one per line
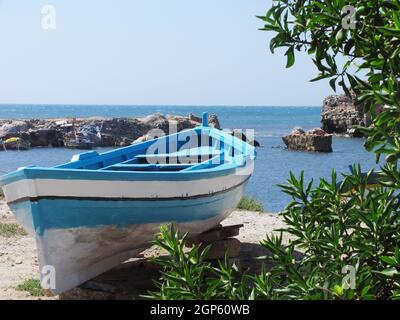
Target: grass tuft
11 230
1 193
32 286
250 204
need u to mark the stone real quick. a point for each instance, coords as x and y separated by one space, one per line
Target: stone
179 123
156 121
121 131
339 115
297 130
143 138
125 142
317 131
213 121
13 128
45 137
315 140
194 118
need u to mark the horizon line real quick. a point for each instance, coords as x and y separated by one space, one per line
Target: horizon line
160 105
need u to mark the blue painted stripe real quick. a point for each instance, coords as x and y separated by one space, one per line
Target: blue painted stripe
77 174
23 212
62 213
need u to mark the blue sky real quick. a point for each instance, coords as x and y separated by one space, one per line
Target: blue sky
186 52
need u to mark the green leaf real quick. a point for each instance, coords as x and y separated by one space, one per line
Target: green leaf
290 57
332 83
339 35
321 76
390 260
390 272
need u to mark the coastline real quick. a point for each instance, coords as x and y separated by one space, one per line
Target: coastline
18 257
86 133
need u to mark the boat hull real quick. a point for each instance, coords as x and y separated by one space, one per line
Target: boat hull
82 238
94 212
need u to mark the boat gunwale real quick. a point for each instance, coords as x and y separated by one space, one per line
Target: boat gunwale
83 174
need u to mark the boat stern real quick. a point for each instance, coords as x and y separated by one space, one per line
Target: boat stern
23 209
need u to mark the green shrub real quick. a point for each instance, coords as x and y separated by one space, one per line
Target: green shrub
11 229
345 247
186 275
338 233
250 204
1 194
32 286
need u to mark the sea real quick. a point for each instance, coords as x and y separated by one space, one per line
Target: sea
270 123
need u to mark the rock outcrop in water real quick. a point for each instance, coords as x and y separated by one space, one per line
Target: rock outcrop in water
340 114
95 131
316 140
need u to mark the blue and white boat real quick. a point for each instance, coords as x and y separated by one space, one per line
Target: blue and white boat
99 210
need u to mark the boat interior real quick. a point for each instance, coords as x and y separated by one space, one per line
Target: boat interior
194 149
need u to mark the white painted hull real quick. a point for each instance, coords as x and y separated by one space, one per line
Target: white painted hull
81 254
81 188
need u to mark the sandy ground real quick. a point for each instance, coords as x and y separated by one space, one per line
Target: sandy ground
18 260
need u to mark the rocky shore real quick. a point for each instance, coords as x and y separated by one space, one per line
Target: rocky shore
92 132
87 133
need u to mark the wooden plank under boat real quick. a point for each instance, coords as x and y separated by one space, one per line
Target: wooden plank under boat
98 210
